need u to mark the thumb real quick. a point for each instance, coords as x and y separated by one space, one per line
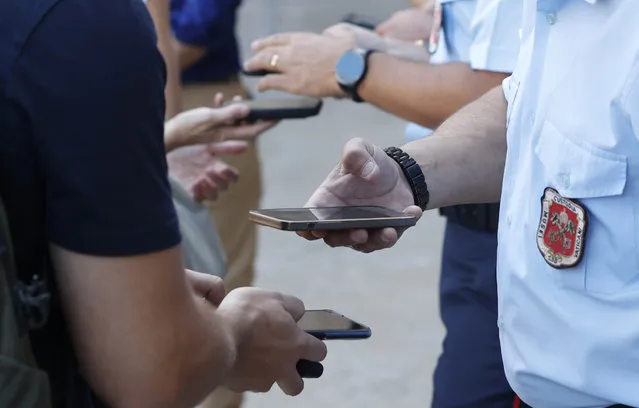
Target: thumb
228 147
358 159
210 287
233 112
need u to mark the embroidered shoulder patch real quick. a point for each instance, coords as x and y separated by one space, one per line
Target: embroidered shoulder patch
562 230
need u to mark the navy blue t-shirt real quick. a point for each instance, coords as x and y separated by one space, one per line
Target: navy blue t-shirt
82 160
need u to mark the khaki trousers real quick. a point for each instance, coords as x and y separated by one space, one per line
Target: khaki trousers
239 236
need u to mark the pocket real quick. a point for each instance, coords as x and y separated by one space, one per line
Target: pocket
596 179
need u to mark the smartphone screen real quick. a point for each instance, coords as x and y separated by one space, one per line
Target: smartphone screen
329 325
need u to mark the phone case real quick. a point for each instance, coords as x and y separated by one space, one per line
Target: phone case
279 113
366 22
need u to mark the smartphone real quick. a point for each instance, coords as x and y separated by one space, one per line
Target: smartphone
282 108
369 23
331 218
258 73
329 325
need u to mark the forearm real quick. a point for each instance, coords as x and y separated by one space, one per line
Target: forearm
173 138
187 54
426 94
143 336
463 161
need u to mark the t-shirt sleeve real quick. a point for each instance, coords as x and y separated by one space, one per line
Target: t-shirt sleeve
495 35
203 23
92 83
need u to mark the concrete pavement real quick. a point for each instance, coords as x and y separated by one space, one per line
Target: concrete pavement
395 291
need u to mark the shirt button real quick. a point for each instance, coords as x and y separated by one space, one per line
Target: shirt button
551 18
565 180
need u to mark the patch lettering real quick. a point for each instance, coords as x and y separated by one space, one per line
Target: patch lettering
562 230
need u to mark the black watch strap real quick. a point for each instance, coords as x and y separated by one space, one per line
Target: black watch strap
413 174
351 91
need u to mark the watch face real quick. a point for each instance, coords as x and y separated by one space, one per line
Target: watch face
350 68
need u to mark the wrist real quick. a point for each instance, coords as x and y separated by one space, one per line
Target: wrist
173 136
414 178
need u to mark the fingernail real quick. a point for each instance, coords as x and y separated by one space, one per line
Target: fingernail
368 168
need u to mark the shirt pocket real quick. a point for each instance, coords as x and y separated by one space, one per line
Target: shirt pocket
596 179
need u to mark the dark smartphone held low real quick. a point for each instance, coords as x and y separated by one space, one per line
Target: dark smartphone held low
281 108
367 22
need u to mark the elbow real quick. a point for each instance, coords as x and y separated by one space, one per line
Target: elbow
181 378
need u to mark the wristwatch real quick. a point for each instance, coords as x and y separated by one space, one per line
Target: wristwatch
351 70
413 174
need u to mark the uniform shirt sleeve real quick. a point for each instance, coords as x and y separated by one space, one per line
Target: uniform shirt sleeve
495 32
92 83
203 23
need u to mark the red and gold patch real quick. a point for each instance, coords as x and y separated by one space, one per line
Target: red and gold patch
562 230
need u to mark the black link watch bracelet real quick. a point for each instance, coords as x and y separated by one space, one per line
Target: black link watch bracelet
413 174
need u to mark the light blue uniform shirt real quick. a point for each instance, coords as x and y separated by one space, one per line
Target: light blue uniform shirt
570 337
481 33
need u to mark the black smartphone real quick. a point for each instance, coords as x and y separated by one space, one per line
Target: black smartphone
327 324
258 73
367 22
282 108
331 218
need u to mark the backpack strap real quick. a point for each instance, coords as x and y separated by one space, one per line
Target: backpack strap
30 301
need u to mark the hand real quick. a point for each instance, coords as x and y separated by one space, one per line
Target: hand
201 172
358 36
270 342
408 25
364 176
305 62
209 287
207 125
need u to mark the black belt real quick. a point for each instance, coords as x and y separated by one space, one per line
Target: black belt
479 217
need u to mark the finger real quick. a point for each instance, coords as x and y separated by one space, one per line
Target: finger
208 188
383 28
238 98
293 305
223 175
271 40
346 238
262 60
358 160
218 99
228 147
292 384
338 29
378 239
414 211
232 113
196 192
319 234
278 82
210 287
312 348
307 235
248 132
